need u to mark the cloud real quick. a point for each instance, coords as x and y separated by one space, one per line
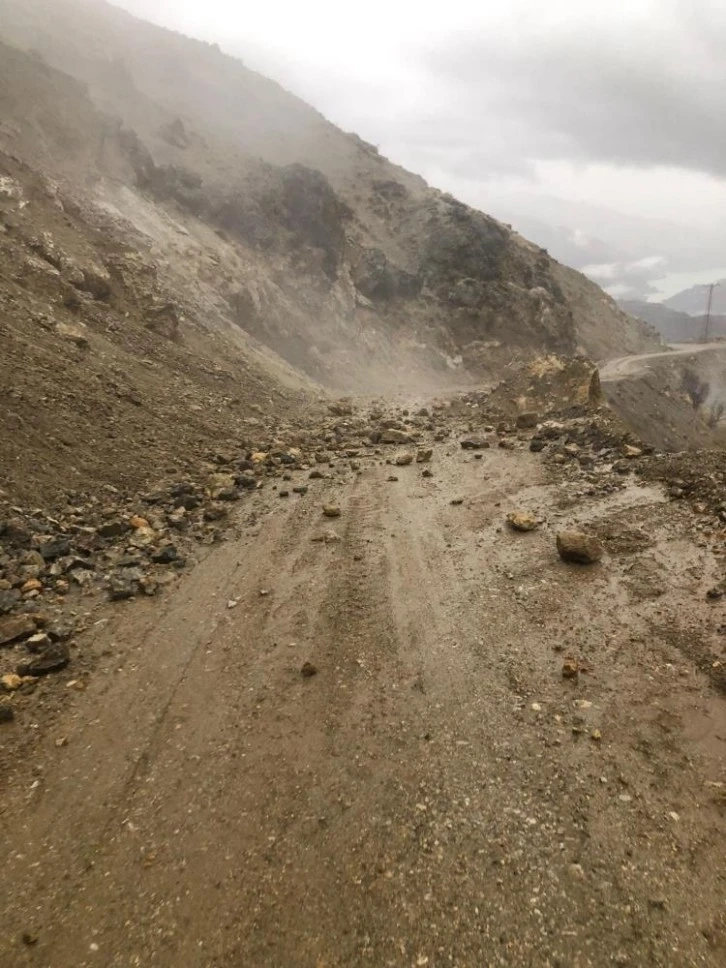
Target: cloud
646 90
632 280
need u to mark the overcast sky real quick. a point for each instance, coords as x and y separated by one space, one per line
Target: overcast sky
621 104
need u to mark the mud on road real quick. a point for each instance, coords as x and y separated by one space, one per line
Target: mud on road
437 793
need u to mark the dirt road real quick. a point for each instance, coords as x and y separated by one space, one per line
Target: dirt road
630 366
437 794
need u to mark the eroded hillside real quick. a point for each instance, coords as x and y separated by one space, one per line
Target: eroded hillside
347 265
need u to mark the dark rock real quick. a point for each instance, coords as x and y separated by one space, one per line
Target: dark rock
215 512
316 475
473 443
113 529
285 493
55 548
16 627
300 489
165 555
16 532
308 670
537 445
227 494
190 502
52 659
246 482
7 713
527 421
182 489
9 598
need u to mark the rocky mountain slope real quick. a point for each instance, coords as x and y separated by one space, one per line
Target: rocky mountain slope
345 264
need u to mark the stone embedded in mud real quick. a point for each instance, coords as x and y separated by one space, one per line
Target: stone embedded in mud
403 460
632 452
427 472
308 670
326 537
391 478
7 713
424 455
537 445
16 627
522 521
456 501
137 522
393 436
575 546
473 443
52 659
570 668
527 420
331 511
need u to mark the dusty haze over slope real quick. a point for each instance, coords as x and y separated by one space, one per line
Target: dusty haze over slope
340 261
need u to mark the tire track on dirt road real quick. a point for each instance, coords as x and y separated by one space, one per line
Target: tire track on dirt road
432 796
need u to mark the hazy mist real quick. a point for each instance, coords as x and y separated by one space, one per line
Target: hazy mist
515 108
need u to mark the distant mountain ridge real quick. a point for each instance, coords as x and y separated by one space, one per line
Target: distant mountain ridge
694 300
674 326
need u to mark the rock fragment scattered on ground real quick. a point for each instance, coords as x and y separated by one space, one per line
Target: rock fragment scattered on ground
331 511
522 521
578 547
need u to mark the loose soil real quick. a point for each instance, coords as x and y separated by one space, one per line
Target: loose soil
437 793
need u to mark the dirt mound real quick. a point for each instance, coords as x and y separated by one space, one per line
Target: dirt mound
107 375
